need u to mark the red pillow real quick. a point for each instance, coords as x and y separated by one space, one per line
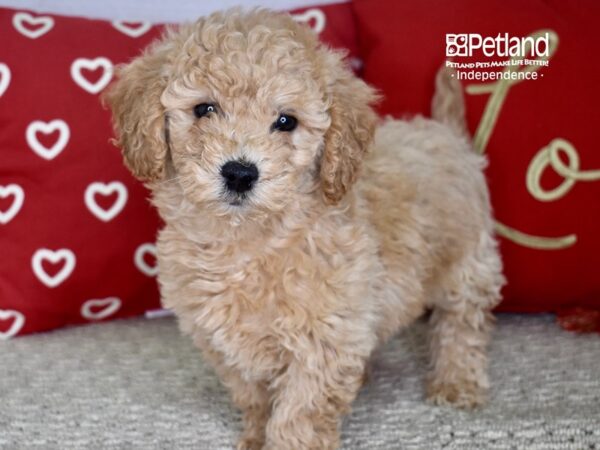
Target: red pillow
76 230
548 222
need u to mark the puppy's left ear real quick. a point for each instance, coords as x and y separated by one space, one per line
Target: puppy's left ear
351 131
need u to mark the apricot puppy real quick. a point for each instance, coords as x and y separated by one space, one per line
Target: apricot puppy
285 266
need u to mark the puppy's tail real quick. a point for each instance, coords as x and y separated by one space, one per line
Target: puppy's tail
448 105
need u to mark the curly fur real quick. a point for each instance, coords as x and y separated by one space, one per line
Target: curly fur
289 293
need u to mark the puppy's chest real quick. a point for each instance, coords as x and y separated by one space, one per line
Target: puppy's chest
262 281
261 302
267 306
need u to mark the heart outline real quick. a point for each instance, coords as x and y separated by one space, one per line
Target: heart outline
6 314
92 64
5 77
111 305
20 17
47 128
54 256
105 189
312 13
127 30
139 262
19 194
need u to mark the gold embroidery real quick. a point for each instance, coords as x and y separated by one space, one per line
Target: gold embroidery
549 156
498 91
537 242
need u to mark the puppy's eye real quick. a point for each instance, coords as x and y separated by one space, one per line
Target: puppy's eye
204 109
285 122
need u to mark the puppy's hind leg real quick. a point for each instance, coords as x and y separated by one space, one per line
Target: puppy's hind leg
460 326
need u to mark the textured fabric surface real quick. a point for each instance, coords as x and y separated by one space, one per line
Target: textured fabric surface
137 384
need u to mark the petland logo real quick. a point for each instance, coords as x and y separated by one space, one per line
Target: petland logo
502 45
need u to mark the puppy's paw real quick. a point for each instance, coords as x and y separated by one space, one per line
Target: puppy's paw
250 443
462 395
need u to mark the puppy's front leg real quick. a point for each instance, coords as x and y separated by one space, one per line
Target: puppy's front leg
310 398
253 401
251 398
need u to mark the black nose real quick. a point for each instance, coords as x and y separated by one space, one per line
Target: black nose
239 175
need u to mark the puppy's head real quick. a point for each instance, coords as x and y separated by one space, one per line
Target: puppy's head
243 111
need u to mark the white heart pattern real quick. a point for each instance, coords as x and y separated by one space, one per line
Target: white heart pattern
19 196
18 322
105 189
141 264
4 78
132 29
108 306
312 14
92 64
54 257
47 128
21 19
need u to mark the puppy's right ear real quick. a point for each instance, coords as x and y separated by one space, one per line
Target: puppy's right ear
138 115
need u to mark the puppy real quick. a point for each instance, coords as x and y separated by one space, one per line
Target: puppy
284 265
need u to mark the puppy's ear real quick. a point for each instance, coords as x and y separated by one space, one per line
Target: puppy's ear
351 131
138 115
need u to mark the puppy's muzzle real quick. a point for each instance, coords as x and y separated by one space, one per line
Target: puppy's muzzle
240 176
